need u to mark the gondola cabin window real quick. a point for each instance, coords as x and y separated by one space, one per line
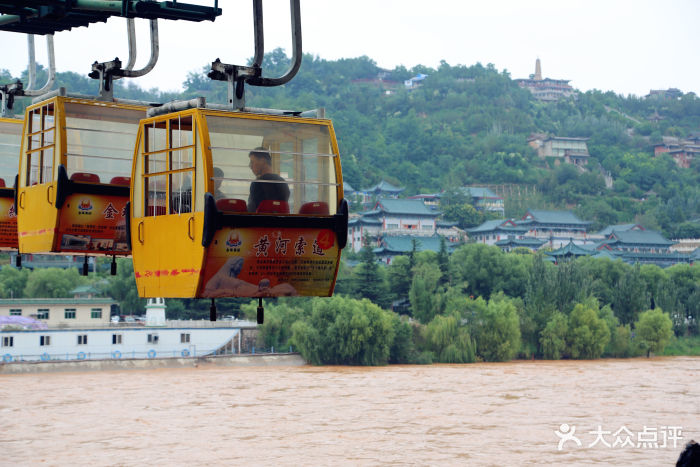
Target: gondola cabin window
10 137
300 154
41 137
99 141
168 166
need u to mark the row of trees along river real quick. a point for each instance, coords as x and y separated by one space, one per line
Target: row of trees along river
478 303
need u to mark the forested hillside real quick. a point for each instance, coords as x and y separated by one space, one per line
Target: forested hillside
470 124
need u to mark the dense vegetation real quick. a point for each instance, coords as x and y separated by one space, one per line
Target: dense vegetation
477 304
467 125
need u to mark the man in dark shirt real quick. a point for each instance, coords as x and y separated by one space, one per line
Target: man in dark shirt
267 184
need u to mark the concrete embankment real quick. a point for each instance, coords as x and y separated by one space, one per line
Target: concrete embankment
150 363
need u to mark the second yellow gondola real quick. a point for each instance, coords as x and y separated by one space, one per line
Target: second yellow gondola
10 137
74 171
193 232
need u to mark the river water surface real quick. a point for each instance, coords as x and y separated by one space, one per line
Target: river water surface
478 414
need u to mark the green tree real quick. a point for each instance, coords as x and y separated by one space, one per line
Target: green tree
448 341
13 281
369 279
122 288
279 319
497 330
307 340
553 336
403 349
52 283
423 293
654 329
344 331
399 277
630 296
588 333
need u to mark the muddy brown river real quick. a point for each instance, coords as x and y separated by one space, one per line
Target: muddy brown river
637 412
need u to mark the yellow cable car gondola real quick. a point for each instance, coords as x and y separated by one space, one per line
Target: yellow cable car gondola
199 227
73 183
10 136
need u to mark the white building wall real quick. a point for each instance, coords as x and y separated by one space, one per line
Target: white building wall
134 343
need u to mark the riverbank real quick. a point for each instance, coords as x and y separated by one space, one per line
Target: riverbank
286 359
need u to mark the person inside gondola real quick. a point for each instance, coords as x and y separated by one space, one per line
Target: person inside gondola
218 180
267 184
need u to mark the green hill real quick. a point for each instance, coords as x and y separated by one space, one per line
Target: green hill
470 125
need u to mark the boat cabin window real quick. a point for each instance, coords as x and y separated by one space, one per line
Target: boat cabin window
301 154
39 149
10 137
168 167
100 140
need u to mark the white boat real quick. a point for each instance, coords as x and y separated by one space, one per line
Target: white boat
158 338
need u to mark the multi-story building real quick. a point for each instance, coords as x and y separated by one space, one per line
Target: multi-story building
556 228
392 217
61 312
571 150
683 152
493 231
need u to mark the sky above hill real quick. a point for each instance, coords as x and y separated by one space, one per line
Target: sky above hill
627 46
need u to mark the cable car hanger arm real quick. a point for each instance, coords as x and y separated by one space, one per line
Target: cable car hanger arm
238 75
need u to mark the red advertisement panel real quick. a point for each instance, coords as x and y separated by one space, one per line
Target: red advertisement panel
270 262
8 223
93 224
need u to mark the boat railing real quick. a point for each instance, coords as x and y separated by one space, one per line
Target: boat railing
185 352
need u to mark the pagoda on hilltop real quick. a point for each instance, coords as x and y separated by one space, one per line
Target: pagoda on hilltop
546 89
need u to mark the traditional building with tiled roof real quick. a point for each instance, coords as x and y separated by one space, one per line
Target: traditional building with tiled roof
619 228
493 231
382 189
483 199
511 243
393 217
636 241
642 246
570 250
555 227
391 246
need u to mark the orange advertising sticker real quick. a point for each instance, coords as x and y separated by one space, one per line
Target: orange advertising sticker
93 223
268 262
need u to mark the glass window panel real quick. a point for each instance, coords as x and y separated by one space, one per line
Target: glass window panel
34 141
181 192
181 159
10 137
34 165
300 152
156 137
181 132
35 121
157 162
100 139
47 172
155 195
